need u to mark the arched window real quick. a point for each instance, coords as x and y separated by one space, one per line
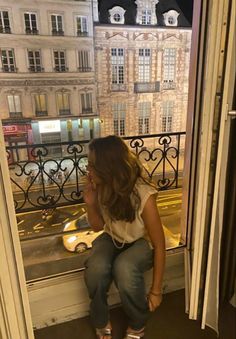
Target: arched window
117 15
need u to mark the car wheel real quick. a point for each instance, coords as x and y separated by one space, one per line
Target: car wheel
81 247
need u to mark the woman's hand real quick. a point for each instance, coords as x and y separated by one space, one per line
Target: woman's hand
90 193
154 300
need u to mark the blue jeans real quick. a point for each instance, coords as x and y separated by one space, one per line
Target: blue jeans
126 267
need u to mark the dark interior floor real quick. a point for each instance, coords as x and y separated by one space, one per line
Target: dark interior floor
168 322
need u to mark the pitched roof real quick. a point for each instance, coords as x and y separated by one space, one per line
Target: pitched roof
183 7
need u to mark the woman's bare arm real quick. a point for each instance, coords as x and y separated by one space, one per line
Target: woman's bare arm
90 196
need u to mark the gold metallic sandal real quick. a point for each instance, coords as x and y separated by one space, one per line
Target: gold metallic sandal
104 333
135 335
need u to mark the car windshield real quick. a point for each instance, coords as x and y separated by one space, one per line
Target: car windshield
82 223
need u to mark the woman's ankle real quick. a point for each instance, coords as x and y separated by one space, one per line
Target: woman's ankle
131 330
107 326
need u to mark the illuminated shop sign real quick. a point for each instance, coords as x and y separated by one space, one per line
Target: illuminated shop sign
10 129
15 129
49 126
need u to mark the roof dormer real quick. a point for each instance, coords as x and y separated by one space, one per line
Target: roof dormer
117 15
171 18
146 12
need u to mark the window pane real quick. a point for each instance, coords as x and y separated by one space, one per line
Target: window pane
14 103
11 103
118 110
59 101
40 102
17 103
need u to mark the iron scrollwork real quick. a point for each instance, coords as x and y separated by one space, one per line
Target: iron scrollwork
42 180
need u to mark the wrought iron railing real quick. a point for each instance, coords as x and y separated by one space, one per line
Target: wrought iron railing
169 85
118 87
6 29
40 181
147 87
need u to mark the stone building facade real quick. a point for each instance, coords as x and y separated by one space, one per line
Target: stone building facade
47 76
142 72
66 74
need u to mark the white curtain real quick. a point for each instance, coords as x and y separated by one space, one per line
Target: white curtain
210 191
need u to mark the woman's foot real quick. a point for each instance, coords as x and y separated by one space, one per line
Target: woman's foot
134 334
104 333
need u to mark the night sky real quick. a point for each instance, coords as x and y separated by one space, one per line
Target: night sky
184 7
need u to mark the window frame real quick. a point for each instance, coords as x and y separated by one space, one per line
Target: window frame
167 116
144 65
144 114
146 17
15 113
117 65
31 29
60 67
3 27
119 117
65 109
84 60
82 29
41 112
8 67
35 67
86 99
57 30
169 65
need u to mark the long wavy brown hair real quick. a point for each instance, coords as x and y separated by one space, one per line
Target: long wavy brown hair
118 170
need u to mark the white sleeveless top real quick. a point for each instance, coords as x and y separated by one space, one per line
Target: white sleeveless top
127 232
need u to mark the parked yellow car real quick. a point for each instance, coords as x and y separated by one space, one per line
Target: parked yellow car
82 240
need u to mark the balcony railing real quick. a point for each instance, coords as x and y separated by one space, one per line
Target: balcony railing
36 69
9 69
61 69
6 30
169 85
44 179
86 110
57 32
118 87
79 33
15 115
147 87
64 112
84 69
31 31
41 113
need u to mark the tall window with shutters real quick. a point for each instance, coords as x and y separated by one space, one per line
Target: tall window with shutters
144 111
119 110
82 25
169 68
34 58
63 103
40 105
86 103
14 104
8 60
31 26
60 61
144 63
117 64
4 22
57 24
167 116
84 61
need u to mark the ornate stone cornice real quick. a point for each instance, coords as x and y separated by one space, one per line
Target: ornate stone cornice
44 82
